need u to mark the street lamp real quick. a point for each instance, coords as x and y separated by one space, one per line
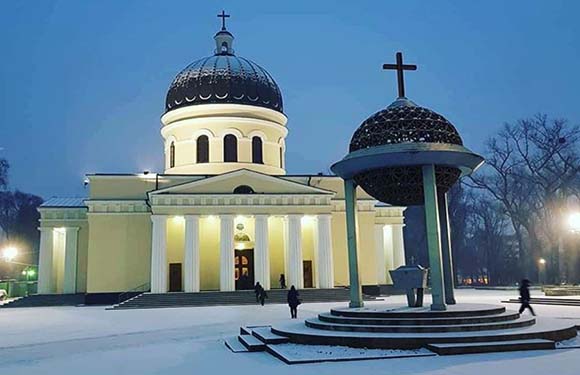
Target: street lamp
541 269
9 253
574 222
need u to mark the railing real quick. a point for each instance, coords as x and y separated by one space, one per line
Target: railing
145 287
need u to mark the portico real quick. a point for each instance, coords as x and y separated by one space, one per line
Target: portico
300 228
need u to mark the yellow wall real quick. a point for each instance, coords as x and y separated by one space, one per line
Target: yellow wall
119 254
209 253
276 248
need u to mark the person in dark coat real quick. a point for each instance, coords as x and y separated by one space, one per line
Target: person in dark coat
262 296
257 290
525 297
282 281
293 302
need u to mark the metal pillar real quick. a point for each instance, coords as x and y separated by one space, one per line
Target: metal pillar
447 255
350 202
433 238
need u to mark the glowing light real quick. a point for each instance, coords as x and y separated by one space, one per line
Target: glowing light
307 219
574 221
542 261
212 217
9 253
178 219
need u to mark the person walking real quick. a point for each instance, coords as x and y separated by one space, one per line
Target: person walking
525 296
282 281
257 289
262 296
293 302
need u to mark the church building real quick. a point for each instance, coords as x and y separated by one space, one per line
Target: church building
224 214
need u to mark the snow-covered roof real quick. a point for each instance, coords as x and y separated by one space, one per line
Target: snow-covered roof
64 202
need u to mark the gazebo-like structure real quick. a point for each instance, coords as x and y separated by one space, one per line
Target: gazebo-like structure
407 155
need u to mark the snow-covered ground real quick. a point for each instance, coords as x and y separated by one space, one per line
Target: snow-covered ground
92 340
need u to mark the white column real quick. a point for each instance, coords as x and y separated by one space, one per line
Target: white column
389 252
323 242
295 271
261 251
227 281
45 260
380 253
70 260
191 254
398 245
159 254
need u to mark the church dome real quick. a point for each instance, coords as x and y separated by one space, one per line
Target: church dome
224 78
404 122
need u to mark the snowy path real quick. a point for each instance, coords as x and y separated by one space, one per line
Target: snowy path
91 340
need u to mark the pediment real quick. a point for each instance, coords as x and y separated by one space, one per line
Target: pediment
227 182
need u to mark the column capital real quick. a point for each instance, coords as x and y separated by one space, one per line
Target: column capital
323 216
158 218
45 229
226 216
294 216
72 229
191 217
261 217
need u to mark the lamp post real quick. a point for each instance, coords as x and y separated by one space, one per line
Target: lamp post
541 270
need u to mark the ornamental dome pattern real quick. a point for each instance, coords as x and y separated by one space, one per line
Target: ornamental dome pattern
224 78
404 122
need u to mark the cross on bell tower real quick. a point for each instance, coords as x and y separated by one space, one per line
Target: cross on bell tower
400 67
223 16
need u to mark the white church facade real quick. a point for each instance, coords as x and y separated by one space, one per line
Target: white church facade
224 214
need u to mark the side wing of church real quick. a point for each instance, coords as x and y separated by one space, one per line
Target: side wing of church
224 214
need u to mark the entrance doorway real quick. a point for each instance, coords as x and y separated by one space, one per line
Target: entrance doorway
244 269
175 277
307 270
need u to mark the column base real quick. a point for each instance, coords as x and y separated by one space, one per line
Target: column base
438 307
450 301
354 305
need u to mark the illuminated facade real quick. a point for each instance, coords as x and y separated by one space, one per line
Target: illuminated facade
224 214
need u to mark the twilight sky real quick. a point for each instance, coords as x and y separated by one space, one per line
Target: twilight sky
83 83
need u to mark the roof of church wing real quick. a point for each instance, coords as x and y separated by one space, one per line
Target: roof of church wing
56 202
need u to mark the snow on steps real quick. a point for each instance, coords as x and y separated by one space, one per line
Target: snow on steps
492 346
241 297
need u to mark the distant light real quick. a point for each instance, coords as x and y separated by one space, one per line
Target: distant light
9 253
574 221
542 261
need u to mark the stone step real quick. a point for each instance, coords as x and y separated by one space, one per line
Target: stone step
506 316
549 301
252 343
235 345
39 300
493 346
178 299
266 335
420 312
545 328
518 323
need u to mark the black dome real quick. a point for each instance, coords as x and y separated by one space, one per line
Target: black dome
224 78
404 122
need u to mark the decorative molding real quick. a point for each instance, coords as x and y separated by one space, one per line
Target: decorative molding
117 207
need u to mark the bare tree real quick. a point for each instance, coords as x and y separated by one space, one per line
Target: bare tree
531 165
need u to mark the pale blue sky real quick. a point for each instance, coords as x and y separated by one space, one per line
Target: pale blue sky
83 83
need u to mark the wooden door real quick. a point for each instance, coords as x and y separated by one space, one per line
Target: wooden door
307 269
175 277
244 269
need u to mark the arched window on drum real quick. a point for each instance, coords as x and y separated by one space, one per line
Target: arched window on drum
257 150
202 153
172 155
230 148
